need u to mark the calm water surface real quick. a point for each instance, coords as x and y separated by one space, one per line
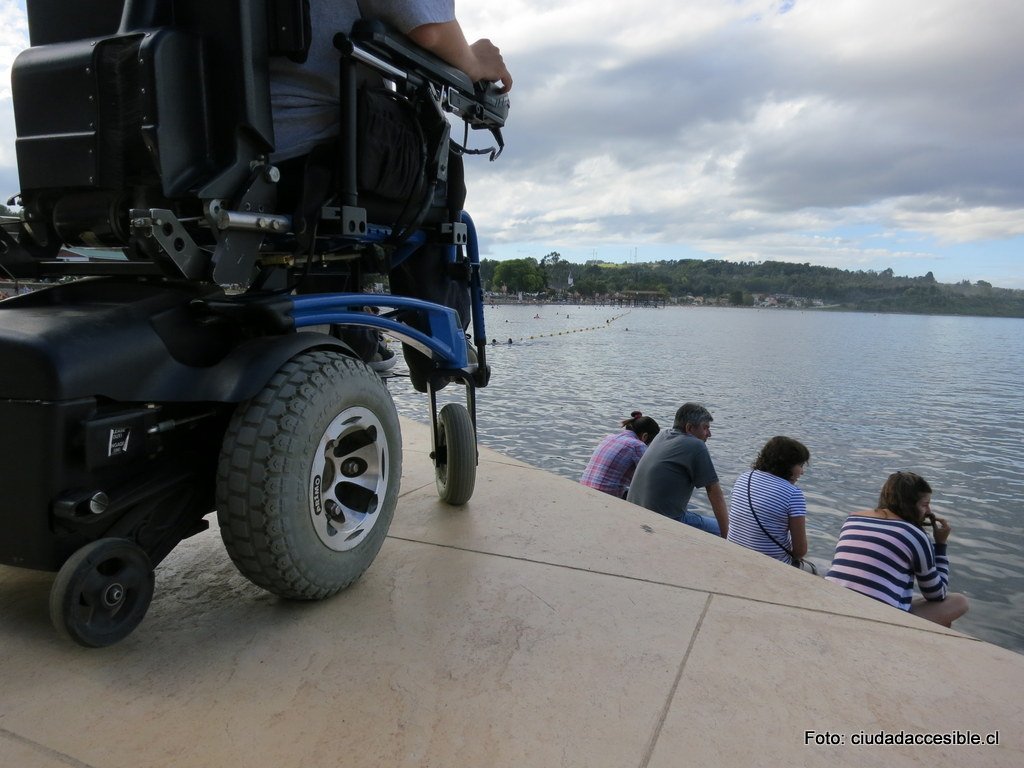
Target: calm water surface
868 394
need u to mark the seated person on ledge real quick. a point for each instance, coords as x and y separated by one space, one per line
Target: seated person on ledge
676 462
767 511
614 461
880 552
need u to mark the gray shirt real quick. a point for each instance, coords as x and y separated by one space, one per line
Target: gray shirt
304 97
674 464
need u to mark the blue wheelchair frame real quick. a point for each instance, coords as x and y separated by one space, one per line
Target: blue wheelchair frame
446 341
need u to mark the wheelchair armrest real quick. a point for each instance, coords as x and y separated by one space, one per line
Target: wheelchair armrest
379 38
479 104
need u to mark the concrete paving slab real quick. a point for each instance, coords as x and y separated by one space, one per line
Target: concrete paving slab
437 656
15 751
761 677
542 624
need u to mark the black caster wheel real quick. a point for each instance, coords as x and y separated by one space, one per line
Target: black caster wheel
102 592
455 455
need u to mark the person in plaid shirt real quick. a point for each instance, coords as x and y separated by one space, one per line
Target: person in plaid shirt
611 467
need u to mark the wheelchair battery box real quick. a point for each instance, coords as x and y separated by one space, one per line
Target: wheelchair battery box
78 359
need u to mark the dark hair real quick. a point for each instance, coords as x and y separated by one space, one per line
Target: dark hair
780 455
901 493
638 425
691 413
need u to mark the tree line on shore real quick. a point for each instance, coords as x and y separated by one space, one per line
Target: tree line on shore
738 283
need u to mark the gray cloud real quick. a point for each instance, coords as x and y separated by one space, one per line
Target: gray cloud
823 121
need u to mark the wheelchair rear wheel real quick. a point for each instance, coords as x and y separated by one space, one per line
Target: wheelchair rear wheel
309 476
455 455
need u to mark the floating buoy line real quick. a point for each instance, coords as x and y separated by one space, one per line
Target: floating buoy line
533 337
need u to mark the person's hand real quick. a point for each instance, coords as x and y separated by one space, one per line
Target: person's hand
491 66
942 530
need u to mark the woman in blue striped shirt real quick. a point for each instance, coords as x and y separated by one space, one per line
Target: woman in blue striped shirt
766 509
881 551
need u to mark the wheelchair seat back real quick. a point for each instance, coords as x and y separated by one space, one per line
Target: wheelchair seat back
149 100
58 21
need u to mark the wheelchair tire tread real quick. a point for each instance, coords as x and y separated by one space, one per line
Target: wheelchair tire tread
257 474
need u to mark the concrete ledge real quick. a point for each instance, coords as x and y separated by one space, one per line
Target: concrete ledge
543 624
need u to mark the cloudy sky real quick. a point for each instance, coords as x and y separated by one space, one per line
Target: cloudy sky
860 134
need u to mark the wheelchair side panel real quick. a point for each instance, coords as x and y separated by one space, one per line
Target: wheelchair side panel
57 115
33 469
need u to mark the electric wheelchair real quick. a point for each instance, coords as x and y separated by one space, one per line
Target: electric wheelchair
215 359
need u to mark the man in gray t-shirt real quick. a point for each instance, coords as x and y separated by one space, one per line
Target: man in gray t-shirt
676 462
304 97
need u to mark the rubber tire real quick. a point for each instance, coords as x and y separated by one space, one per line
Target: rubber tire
77 609
455 456
264 502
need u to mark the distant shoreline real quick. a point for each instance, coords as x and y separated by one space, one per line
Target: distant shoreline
10 288
670 305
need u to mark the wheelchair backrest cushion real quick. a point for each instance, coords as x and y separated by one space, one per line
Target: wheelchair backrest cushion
183 105
59 21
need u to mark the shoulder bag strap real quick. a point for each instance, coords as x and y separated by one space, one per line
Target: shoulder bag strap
750 500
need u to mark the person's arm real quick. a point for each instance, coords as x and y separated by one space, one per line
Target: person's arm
942 530
481 61
933 571
798 535
717 500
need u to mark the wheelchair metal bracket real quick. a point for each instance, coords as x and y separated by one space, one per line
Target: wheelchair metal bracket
352 218
162 226
238 244
252 222
454 233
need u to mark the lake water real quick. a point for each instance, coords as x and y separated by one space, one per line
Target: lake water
868 394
